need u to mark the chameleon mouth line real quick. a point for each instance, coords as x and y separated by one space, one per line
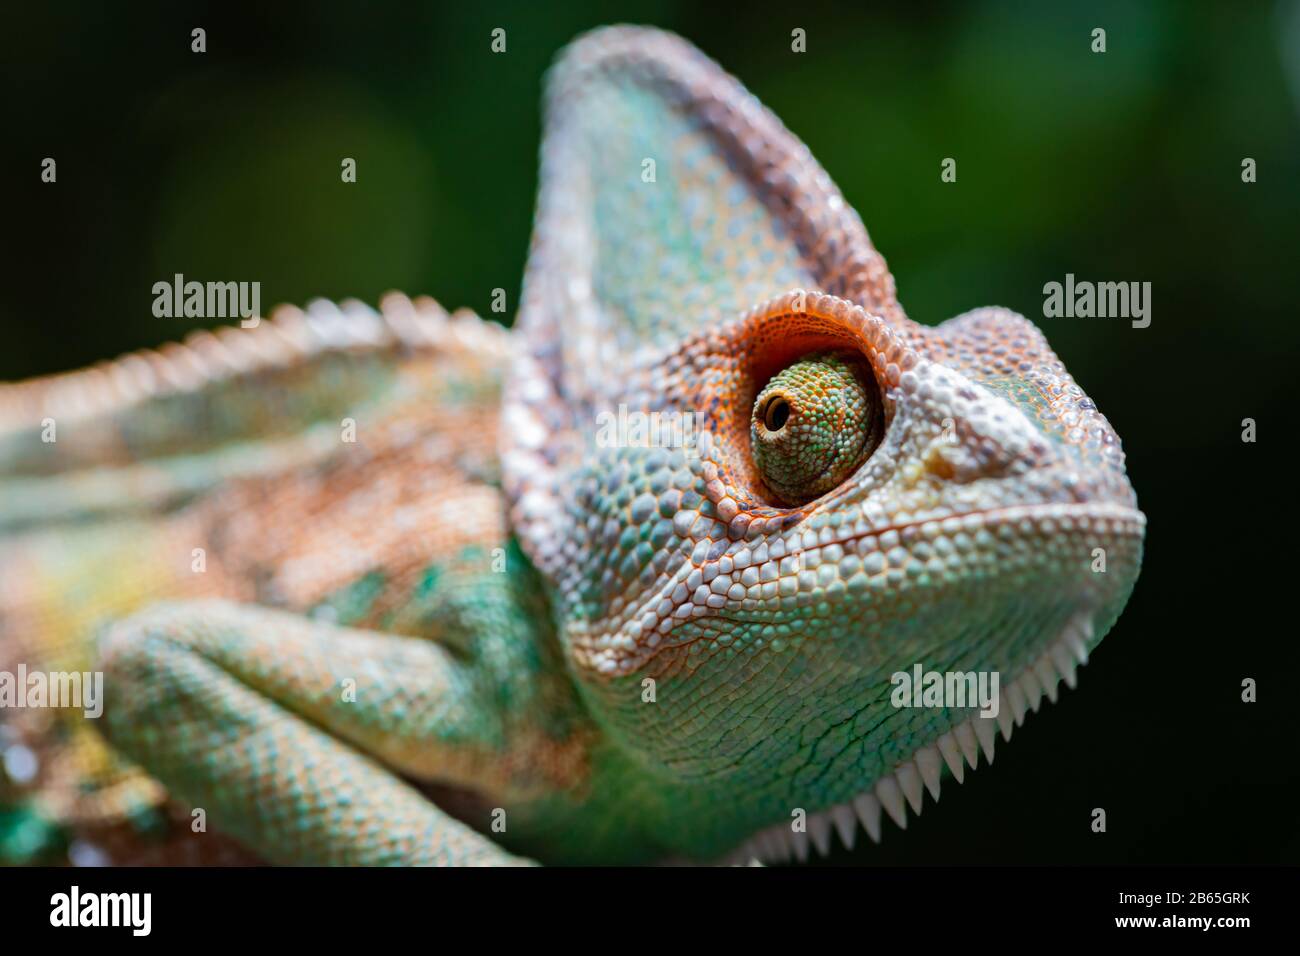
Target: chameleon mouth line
998 517
905 785
1109 520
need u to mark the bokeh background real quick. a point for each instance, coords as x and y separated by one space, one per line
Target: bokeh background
1119 166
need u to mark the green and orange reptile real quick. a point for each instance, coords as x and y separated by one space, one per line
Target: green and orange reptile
386 587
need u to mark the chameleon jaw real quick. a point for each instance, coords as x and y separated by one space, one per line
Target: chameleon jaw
649 628
905 785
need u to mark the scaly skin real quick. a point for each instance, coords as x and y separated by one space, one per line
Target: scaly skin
631 650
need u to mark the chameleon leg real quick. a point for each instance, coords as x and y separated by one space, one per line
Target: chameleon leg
284 729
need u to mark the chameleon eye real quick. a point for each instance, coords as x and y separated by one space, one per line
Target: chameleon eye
814 423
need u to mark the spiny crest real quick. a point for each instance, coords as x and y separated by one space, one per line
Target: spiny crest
291 336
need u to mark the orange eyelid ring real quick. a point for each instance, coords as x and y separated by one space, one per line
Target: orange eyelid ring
730 365
777 332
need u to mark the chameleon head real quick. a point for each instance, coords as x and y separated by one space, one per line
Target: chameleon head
751 522
845 503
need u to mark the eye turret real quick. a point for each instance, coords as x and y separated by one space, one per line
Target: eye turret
814 423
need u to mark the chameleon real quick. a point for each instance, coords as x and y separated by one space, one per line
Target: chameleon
627 583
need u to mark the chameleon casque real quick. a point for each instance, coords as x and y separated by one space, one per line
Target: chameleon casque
483 632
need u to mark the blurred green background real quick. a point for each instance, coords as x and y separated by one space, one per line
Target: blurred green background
1117 166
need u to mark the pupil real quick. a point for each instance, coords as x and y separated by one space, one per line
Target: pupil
777 414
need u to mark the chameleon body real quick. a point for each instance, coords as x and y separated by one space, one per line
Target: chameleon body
508 621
